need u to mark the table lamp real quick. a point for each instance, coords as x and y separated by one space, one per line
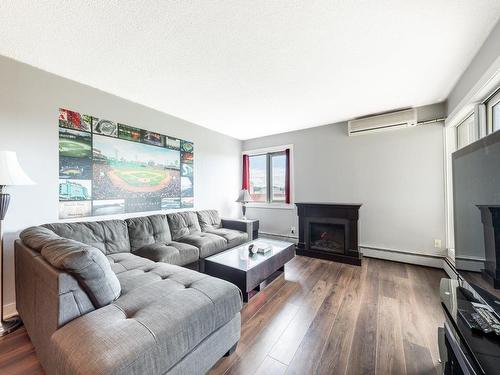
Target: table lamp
243 198
11 174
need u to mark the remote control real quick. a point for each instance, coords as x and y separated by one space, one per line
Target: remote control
482 322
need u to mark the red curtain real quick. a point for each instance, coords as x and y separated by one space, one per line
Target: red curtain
287 176
246 173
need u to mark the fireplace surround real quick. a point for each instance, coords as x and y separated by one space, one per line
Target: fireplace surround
329 231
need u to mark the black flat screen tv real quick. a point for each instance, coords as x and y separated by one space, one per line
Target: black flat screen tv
476 212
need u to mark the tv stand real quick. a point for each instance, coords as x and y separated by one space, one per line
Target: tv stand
463 350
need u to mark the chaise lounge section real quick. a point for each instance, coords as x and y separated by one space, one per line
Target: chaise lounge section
111 297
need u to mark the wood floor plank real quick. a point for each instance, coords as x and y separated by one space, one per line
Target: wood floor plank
362 358
270 366
294 270
335 355
290 340
390 350
321 318
423 281
265 319
308 355
263 342
17 354
418 357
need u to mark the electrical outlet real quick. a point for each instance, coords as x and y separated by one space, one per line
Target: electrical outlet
292 230
437 244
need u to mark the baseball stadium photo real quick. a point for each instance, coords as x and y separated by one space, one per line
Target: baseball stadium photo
74 143
129 133
73 120
76 168
104 127
187 146
74 190
173 143
124 169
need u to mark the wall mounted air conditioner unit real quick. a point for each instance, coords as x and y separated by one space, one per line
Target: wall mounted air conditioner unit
387 121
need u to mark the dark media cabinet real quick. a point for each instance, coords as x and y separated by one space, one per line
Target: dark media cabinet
464 351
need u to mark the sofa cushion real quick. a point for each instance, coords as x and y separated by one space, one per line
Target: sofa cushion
209 220
122 262
36 237
232 236
171 313
183 223
207 243
148 230
170 252
110 236
88 265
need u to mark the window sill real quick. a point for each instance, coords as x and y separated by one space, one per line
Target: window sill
278 206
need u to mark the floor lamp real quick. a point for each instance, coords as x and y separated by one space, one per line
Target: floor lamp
11 174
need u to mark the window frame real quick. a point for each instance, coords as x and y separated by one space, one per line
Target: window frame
270 152
270 179
267 174
491 102
472 133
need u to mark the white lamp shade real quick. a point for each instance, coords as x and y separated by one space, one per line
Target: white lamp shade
244 196
11 172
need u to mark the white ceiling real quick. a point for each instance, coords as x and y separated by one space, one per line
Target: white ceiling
253 68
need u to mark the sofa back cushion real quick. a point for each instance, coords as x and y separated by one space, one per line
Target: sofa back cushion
109 236
148 230
209 220
86 263
36 237
183 224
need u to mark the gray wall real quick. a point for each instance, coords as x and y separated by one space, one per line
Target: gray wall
396 175
487 54
29 102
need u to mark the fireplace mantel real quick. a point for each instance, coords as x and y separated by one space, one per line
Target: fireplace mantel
345 214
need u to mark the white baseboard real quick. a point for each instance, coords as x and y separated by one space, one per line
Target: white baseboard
293 238
9 310
427 260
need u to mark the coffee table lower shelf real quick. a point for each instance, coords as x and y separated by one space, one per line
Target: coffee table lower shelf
249 281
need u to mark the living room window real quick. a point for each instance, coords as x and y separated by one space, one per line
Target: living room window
266 175
277 176
466 133
493 112
258 178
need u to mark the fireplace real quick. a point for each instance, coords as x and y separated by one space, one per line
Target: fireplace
327 237
329 231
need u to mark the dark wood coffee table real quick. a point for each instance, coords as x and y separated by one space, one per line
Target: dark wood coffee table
249 272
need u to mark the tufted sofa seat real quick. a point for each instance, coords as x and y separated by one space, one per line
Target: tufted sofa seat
164 313
109 297
210 222
185 228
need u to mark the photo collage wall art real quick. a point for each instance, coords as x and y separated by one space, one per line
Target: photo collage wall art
108 168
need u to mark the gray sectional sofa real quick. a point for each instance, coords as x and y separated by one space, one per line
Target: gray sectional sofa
110 297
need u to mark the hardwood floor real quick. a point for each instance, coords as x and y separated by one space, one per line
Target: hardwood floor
331 318
17 355
322 318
